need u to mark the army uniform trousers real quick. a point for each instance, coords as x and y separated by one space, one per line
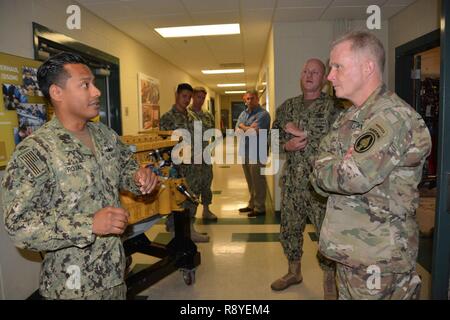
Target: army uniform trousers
367 283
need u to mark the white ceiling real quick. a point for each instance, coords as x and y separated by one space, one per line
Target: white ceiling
137 18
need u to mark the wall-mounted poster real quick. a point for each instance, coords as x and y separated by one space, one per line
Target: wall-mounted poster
22 106
30 85
31 117
148 102
13 95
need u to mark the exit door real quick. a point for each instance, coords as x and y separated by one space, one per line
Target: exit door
236 110
101 82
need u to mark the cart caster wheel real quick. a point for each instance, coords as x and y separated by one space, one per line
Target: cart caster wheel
189 277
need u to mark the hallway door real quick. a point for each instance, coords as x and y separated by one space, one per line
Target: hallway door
236 110
101 82
440 265
441 247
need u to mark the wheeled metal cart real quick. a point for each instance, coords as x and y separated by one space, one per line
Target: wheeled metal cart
179 254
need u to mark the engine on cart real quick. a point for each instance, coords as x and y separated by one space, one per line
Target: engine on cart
153 150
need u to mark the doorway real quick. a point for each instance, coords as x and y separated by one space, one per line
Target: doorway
236 109
102 83
421 72
212 107
417 82
104 67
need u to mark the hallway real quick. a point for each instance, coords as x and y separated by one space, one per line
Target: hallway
243 256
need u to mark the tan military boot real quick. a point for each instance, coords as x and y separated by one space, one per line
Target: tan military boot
208 215
329 285
197 236
294 276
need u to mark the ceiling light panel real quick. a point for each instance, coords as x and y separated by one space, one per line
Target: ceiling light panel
196 31
224 85
235 92
223 71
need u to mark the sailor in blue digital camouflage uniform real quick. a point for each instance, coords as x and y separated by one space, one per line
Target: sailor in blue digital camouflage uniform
61 189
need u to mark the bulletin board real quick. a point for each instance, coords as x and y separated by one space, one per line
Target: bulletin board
22 106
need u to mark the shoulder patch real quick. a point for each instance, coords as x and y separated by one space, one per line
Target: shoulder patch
364 142
378 128
31 160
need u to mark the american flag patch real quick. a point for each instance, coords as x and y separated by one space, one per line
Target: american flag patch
32 162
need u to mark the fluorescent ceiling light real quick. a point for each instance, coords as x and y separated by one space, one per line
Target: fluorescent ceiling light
235 92
231 85
222 71
196 31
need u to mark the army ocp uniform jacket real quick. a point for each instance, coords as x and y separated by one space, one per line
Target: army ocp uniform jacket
373 195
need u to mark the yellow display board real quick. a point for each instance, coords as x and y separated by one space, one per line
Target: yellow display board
22 106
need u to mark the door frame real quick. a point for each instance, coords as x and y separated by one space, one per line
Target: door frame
236 104
441 248
404 57
55 42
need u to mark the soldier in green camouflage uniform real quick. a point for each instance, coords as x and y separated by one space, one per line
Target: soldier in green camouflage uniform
200 175
178 118
369 167
61 189
313 112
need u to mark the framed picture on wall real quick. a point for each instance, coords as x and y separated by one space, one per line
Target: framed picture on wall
148 88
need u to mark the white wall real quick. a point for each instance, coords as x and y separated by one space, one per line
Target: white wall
16 38
418 19
267 73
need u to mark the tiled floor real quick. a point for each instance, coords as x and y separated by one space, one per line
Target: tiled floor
243 256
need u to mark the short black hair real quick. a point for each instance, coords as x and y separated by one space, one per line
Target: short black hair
52 71
184 86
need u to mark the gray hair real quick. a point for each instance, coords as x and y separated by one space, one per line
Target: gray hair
363 40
